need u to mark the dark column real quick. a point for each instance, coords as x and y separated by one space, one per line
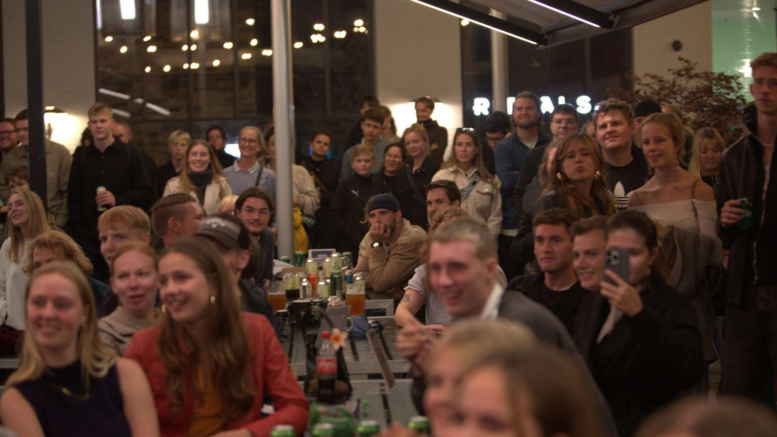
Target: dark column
35 99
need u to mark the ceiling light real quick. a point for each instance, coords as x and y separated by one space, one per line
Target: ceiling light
195 65
318 26
267 52
195 34
147 38
362 29
577 11
485 20
298 45
166 68
108 38
185 47
246 56
358 23
151 49
250 21
216 62
123 49
186 66
228 45
148 69
193 47
317 38
756 9
340 34
254 42
464 23
201 11
128 11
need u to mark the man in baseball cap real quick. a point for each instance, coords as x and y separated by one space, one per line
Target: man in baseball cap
230 237
391 250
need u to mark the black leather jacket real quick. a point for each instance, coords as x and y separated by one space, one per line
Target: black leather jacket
752 258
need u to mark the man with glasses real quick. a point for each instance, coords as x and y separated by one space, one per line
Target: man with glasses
7 137
58 162
248 172
255 207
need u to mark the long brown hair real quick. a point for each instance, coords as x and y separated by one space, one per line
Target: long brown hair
568 193
702 136
228 345
36 223
452 161
187 186
96 358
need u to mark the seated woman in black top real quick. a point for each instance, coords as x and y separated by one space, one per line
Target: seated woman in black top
69 383
576 183
639 338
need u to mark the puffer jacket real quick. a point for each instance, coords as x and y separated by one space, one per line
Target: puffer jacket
484 201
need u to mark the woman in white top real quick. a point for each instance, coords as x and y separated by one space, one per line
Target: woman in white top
480 195
26 220
303 190
672 197
201 177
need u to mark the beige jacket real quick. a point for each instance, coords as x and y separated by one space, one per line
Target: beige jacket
214 192
393 264
484 201
304 190
58 162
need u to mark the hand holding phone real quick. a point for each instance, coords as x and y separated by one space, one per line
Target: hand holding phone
616 287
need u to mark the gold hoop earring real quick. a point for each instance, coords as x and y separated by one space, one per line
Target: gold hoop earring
597 175
213 299
559 176
163 309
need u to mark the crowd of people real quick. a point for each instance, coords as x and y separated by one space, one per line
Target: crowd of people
570 282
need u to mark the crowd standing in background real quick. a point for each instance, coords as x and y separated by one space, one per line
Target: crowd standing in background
568 280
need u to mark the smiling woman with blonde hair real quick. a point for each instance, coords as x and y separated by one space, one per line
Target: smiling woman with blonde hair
201 177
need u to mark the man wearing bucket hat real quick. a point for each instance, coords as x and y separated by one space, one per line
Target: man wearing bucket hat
391 250
228 235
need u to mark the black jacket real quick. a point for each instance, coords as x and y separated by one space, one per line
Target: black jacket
348 209
437 135
648 359
564 306
224 158
413 200
254 299
752 257
529 169
327 175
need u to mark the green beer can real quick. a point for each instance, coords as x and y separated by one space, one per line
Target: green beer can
283 431
299 259
419 424
367 428
324 429
336 284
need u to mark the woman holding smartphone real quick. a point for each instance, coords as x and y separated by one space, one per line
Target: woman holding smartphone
638 336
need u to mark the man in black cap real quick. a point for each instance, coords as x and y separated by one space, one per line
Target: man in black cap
231 239
391 250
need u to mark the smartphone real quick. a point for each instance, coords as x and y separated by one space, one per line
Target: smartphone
617 260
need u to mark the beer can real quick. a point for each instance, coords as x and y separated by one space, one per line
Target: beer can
288 281
311 266
298 277
99 190
360 282
323 289
349 255
419 424
323 429
348 276
337 262
283 431
304 290
368 428
286 259
747 218
336 284
299 259
327 267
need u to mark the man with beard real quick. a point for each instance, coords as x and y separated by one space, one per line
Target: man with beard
391 251
8 139
509 155
627 167
257 210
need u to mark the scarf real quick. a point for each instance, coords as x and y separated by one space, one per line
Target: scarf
201 180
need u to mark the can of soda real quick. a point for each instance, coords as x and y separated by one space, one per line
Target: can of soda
283 431
311 266
286 259
299 259
324 429
304 290
337 262
360 282
336 284
348 276
288 281
323 289
101 208
368 428
419 424
747 218
349 255
327 267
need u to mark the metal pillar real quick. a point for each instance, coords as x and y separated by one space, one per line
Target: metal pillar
35 99
499 66
283 111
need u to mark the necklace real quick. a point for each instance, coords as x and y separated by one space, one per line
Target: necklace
84 397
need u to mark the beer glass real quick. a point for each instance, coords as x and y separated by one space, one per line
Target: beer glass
354 296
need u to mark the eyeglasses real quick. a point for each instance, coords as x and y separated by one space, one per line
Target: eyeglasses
248 141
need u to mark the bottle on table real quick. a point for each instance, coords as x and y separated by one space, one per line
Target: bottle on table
283 431
326 370
368 428
419 424
323 429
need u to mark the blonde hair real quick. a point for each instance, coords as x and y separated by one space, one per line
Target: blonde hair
674 126
57 241
227 204
478 163
568 193
125 216
469 229
705 134
177 136
450 212
471 339
36 223
96 358
362 149
99 108
135 246
187 186
419 129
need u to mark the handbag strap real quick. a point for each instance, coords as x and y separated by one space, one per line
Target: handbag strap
259 175
409 174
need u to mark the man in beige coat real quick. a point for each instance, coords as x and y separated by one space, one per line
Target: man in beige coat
391 250
58 161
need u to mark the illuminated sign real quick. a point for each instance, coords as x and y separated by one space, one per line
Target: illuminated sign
482 105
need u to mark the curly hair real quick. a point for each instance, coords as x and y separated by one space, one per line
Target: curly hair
58 242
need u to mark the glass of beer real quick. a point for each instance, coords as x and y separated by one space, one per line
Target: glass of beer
354 297
277 298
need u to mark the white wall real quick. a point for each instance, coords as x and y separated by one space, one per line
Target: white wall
68 59
652 41
418 52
